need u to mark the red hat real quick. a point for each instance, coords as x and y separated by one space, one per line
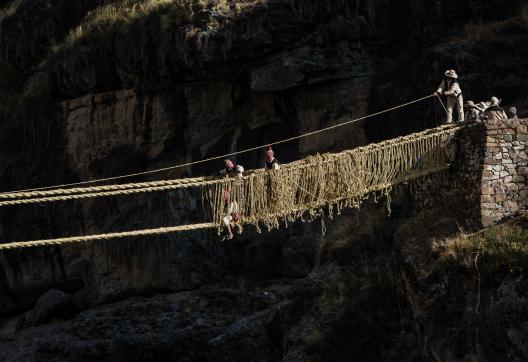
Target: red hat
269 154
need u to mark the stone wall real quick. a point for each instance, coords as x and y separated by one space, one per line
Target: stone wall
505 166
456 191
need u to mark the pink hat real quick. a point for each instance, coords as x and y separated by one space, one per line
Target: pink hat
229 164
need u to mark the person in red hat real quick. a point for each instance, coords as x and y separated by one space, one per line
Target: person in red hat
271 161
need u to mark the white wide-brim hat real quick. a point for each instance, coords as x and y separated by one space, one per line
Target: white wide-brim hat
470 105
451 74
482 105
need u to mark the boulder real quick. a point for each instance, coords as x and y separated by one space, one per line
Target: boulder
52 304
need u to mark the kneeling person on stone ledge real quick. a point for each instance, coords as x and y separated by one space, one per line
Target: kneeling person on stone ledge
494 112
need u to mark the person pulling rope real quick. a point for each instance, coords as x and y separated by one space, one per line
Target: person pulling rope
451 89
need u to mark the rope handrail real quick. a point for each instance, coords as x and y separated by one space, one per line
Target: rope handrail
109 236
95 189
156 186
222 156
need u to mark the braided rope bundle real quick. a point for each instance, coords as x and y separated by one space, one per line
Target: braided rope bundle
121 235
99 189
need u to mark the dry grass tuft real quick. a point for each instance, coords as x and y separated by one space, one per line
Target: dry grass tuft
501 245
120 13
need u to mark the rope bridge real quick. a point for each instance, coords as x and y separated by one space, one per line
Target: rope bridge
310 187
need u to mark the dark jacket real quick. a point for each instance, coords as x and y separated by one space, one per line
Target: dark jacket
270 165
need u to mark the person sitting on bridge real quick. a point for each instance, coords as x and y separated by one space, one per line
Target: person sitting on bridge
271 162
451 88
494 112
231 169
231 215
473 112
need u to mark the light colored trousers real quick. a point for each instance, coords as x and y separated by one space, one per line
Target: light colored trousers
453 102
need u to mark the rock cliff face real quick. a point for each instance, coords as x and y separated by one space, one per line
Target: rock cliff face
98 88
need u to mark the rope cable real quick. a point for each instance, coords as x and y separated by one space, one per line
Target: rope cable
120 235
222 156
442 103
96 189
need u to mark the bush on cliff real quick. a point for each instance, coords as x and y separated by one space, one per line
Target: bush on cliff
502 247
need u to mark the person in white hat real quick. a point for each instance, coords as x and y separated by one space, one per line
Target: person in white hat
494 112
451 89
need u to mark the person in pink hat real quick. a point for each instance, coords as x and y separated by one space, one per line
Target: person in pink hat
451 89
271 162
231 169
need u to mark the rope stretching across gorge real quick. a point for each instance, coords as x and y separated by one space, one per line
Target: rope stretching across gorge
121 235
12 194
97 189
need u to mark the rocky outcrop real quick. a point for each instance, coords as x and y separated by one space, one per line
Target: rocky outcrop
217 324
473 306
52 304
